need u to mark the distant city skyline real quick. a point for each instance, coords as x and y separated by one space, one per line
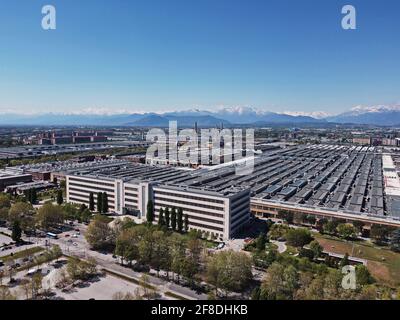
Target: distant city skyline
135 57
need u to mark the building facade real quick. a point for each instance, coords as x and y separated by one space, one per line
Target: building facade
216 214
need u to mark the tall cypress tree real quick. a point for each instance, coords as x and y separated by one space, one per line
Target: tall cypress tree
179 220
161 221
99 202
33 196
167 217
104 201
150 212
91 202
186 224
28 195
60 198
173 219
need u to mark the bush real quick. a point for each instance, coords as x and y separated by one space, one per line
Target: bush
298 237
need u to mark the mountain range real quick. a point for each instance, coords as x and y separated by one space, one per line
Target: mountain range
376 115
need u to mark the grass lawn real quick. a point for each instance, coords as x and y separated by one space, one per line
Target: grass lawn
22 254
291 251
383 263
271 246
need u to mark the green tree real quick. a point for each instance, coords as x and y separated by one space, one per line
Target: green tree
273 285
104 202
99 235
316 248
230 271
5 201
70 211
330 227
177 252
261 242
91 201
23 213
16 232
100 202
5 205
298 237
50 216
33 198
363 276
344 261
186 223
346 231
127 244
60 198
395 240
179 220
167 217
146 248
37 284
56 252
378 233
150 212
159 250
161 221
173 219
286 216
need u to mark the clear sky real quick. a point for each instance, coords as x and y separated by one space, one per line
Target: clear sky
156 55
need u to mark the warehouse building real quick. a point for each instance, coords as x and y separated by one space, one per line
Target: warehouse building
323 180
10 177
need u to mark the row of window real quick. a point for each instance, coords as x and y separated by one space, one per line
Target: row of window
85 201
110 200
70 185
170 194
200 219
131 189
127 194
188 203
204 226
207 213
96 182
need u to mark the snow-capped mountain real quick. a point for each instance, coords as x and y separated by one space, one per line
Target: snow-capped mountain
373 115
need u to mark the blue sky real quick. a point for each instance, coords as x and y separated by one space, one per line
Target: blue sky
160 55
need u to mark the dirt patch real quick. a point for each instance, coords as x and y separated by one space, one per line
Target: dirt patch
379 271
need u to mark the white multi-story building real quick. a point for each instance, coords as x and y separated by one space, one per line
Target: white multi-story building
217 214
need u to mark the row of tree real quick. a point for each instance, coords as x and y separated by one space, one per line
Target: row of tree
174 219
101 202
169 217
180 256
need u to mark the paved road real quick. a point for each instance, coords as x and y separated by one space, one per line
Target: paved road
281 246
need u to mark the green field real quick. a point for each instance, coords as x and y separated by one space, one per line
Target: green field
22 254
383 263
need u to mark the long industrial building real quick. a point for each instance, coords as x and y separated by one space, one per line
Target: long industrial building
353 183
129 188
